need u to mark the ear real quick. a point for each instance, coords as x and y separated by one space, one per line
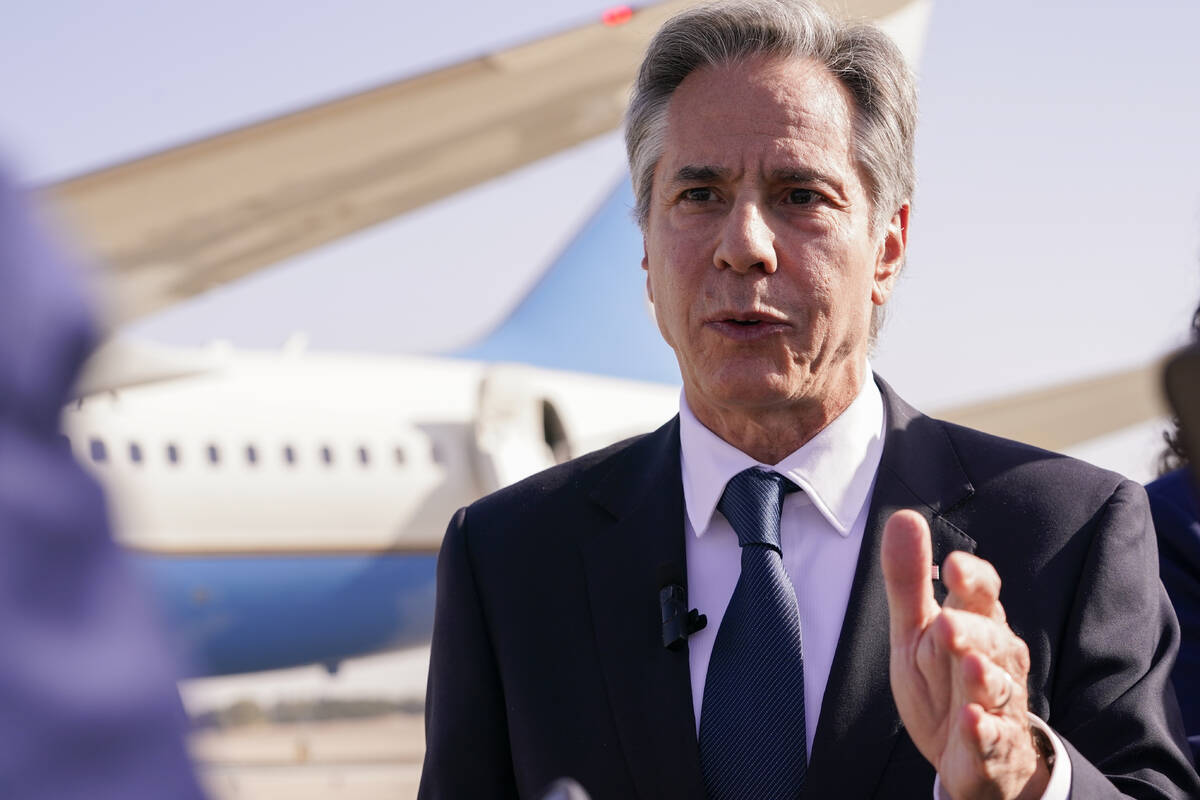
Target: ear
890 258
646 267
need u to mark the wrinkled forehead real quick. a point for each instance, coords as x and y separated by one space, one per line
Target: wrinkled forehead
759 107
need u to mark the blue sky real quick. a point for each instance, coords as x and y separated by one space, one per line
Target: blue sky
1057 223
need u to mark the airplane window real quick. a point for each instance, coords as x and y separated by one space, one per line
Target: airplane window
214 455
327 454
135 452
289 454
172 454
363 456
251 454
99 451
399 455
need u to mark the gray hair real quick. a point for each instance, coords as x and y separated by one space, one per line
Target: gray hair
862 57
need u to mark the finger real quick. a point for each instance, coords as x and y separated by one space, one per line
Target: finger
960 632
987 755
907 557
973 585
989 686
984 731
1003 746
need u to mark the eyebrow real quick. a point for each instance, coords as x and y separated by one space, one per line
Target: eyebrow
694 173
690 173
804 175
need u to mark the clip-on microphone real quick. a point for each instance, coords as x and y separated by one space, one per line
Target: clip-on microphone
678 622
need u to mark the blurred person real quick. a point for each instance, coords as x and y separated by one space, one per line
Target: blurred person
798 502
1177 524
88 702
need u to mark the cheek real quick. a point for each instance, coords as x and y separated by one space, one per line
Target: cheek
663 289
854 272
674 279
672 298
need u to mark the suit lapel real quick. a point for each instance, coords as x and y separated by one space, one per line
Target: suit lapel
859 724
649 687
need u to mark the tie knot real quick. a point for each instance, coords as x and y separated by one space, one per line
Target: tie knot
751 502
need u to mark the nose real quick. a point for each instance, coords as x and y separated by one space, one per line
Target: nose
747 241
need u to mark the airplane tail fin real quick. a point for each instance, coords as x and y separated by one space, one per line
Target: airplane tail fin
588 312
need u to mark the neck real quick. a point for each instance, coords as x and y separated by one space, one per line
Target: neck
769 434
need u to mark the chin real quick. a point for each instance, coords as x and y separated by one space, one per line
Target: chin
755 389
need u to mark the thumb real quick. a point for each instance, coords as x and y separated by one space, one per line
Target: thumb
907 555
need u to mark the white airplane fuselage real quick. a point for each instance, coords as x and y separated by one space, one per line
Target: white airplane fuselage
287 507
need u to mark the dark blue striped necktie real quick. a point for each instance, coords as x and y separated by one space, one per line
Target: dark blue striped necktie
752 736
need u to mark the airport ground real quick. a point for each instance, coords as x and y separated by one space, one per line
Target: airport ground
305 734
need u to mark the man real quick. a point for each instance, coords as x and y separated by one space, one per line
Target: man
88 704
798 502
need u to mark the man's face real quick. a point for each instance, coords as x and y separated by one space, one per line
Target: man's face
760 260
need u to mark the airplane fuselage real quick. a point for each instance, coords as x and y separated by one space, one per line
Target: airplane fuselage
287 508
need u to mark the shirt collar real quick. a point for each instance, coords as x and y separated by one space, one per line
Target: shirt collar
835 468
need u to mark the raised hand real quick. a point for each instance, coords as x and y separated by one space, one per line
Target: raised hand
958 672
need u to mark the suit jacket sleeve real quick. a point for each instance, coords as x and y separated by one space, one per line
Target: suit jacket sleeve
1111 698
466 733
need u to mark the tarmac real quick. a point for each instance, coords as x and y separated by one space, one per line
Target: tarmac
252 755
361 759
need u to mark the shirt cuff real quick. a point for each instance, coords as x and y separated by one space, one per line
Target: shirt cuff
1059 787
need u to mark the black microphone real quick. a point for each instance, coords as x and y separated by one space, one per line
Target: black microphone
677 622
565 789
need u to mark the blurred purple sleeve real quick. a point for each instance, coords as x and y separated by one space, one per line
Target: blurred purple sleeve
88 703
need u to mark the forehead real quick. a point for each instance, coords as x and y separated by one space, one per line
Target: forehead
763 107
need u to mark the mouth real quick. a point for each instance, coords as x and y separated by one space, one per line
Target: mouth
746 319
743 325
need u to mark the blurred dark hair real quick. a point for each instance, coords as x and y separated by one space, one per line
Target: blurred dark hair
1174 456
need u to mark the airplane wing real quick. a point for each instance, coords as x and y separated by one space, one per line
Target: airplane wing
1065 415
180 222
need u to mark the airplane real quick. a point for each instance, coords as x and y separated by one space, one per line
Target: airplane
286 507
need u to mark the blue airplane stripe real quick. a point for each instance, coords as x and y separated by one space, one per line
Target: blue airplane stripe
230 614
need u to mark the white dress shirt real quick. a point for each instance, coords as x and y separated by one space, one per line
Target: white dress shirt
821 531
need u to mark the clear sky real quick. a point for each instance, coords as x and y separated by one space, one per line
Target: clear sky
1057 223
1057 228
91 82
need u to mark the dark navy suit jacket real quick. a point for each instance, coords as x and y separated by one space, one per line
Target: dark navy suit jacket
1177 522
88 705
548 657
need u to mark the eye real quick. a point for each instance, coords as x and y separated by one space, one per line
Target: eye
700 194
802 197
